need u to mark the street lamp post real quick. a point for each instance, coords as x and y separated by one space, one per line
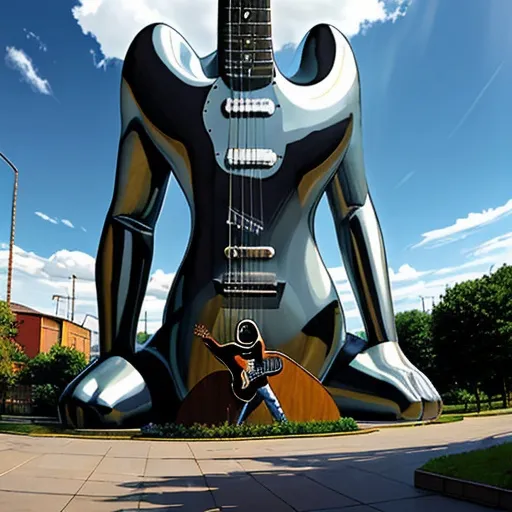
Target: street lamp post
13 225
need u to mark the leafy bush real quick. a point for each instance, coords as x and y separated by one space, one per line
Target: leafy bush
45 398
226 430
50 373
11 353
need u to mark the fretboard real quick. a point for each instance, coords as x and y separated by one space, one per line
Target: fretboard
246 59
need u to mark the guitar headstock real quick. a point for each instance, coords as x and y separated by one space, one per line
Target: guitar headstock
202 331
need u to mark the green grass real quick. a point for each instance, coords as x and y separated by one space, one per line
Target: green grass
451 418
491 466
226 430
30 428
463 409
33 429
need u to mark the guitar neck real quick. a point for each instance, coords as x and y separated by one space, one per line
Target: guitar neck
246 59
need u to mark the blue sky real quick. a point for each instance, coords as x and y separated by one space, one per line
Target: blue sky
436 80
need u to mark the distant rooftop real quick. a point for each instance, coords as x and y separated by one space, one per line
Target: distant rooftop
19 308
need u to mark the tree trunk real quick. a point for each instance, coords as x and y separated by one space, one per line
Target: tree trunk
505 394
478 404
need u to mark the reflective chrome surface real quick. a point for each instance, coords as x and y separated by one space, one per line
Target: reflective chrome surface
110 395
173 123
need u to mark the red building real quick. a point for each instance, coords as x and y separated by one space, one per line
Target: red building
38 332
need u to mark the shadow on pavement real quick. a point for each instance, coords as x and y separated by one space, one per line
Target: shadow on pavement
368 481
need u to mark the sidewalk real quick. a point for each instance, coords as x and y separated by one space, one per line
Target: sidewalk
363 473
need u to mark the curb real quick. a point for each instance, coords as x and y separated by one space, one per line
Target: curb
465 490
191 440
264 438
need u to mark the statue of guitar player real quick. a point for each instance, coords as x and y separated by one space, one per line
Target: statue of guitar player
249 365
253 149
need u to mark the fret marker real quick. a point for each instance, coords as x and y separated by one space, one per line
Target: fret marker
247 42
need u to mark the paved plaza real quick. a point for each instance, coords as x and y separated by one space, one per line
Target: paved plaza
362 473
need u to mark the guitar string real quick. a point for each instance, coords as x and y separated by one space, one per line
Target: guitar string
229 68
257 264
252 17
265 3
241 146
254 150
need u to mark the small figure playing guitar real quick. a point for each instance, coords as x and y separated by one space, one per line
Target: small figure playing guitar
249 365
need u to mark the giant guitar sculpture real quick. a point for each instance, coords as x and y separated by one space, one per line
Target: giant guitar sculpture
253 150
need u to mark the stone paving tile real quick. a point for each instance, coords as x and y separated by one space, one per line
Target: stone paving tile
100 504
119 466
172 468
82 447
357 508
244 494
302 493
234 489
429 504
362 486
169 450
32 502
402 473
176 493
129 449
283 464
11 459
110 489
60 466
31 484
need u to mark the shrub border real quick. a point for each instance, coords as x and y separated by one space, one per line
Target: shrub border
121 437
464 490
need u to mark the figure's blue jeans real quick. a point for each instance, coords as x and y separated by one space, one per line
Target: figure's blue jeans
271 402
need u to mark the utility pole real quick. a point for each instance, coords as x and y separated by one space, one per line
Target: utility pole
73 278
58 298
13 225
146 323
427 297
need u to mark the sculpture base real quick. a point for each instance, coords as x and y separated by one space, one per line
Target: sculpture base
302 397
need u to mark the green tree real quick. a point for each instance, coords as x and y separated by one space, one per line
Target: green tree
362 335
10 351
50 373
414 329
142 337
8 324
58 367
499 296
464 336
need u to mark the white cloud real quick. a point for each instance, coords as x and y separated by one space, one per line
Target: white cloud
500 242
405 179
462 227
67 223
46 217
20 61
476 100
197 20
31 35
55 220
37 279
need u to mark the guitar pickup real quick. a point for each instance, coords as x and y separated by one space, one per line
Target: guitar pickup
257 290
249 253
250 107
251 157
